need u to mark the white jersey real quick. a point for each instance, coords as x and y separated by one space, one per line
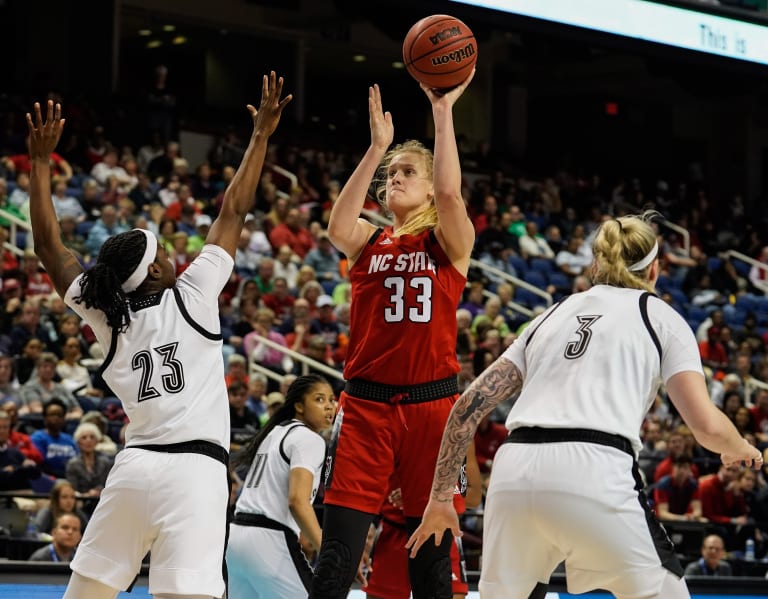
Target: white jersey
167 368
265 488
596 361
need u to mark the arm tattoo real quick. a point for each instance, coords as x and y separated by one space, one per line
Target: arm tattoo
63 269
500 381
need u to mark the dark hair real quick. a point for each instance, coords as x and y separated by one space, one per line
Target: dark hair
295 393
681 459
54 401
101 285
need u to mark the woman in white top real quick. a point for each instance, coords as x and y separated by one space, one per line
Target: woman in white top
264 558
581 377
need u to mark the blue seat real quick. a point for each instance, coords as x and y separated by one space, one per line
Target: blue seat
542 265
746 302
519 264
84 227
528 298
560 281
536 278
678 296
663 283
714 263
741 267
697 313
735 318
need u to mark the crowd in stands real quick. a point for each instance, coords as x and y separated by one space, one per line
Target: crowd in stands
290 286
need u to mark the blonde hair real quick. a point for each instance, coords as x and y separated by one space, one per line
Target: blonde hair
427 218
87 427
619 243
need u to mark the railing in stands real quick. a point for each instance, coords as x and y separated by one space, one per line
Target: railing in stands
306 362
734 255
681 230
514 281
16 224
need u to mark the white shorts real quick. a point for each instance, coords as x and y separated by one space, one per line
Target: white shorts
172 504
568 501
260 565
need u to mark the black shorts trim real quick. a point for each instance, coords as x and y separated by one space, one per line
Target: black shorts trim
421 393
291 541
217 452
665 548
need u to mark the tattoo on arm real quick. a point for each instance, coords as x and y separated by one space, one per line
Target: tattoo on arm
501 381
63 269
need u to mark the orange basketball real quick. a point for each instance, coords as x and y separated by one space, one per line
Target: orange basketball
440 51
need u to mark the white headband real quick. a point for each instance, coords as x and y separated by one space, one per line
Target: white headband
140 272
649 257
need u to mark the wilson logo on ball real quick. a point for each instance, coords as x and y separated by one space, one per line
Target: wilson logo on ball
444 35
464 53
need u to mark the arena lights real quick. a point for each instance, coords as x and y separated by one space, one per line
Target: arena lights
649 21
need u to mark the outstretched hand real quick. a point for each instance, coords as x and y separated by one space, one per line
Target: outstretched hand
382 129
44 135
438 517
449 97
266 118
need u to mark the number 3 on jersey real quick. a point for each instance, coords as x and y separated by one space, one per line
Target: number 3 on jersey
421 312
173 380
576 349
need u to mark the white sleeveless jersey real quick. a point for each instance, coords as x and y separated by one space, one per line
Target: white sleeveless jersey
167 369
596 361
265 488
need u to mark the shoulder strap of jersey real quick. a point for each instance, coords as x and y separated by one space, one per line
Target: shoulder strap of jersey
375 235
551 311
647 321
282 449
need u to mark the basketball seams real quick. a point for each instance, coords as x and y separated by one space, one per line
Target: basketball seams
456 62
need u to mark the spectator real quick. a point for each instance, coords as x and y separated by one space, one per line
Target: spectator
652 452
29 327
488 438
721 498
711 562
758 275
676 496
88 471
325 260
533 244
570 261
676 445
237 370
64 204
495 256
18 438
56 446
105 227
292 233
258 352
63 500
105 445
243 421
16 469
72 239
280 300
42 388
9 385
66 535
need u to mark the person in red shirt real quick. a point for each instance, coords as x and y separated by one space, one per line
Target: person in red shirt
293 233
676 496
18 439
721 498
760 415
488 438
20 163
713 352
676 445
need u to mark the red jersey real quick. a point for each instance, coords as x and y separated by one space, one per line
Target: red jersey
405 292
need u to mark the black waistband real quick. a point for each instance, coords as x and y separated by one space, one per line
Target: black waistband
217 452
394 394
535 434
261 521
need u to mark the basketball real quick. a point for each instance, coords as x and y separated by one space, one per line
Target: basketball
440 51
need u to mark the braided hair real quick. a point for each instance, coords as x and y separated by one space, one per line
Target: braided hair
101 285
295 394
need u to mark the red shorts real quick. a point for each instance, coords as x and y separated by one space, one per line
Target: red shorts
389 577
373 440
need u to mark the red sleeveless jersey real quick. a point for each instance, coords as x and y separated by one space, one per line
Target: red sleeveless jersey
405 293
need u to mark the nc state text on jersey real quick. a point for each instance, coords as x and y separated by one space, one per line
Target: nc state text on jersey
412 262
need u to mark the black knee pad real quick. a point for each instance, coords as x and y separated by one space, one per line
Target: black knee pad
344 533
430 570
334 572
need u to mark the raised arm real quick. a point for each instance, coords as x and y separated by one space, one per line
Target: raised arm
455 230
347 231
241 192
61 264
500 381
